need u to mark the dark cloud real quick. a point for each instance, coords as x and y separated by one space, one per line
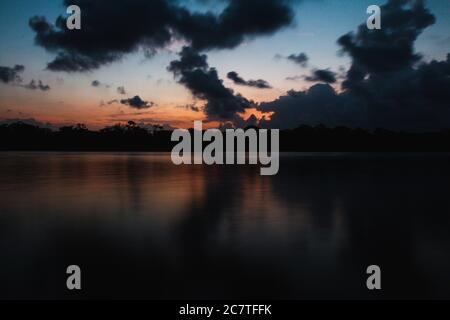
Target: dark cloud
391 48
11 75
71 62
189 59
300 59
322 75
234 76
387 85
98 84
37 85
260 84
238 21
320 104
121 90
111 30
193 71
137 103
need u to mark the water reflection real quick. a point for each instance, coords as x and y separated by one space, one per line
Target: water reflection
141 227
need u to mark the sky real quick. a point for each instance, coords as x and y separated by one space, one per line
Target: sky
171 97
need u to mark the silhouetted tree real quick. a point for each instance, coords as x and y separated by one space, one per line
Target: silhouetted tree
132 137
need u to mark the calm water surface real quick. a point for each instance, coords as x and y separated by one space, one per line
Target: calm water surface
140 227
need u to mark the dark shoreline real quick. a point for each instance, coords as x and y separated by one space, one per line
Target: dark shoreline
130 137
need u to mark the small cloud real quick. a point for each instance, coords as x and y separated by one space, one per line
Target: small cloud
137 103
33 85
121 90
150 52
11 75
260 84
98 84
322 75
300 59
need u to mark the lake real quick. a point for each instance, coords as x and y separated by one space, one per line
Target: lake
142 228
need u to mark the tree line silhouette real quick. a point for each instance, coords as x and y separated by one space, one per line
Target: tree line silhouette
20 136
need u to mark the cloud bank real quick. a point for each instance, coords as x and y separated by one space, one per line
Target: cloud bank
192 71
150 25
387 85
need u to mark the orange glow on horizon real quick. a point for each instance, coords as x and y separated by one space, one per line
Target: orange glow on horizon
96 115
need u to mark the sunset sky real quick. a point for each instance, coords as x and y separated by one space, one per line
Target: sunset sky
92 96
